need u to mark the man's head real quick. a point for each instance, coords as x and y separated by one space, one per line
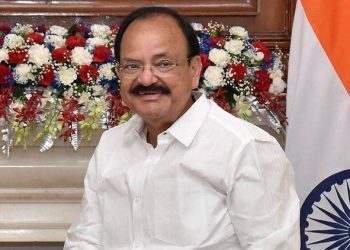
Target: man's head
158 64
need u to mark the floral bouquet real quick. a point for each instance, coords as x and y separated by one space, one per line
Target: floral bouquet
241 74
65 81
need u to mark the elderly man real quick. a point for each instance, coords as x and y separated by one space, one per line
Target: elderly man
181 173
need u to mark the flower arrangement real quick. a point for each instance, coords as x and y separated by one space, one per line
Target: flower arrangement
64 79
241 74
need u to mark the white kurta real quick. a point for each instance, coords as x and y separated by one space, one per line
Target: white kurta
213 182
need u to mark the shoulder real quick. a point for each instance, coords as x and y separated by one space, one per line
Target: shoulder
233 127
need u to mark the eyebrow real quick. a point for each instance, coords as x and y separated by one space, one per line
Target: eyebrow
154 57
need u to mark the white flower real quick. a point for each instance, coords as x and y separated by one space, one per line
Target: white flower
242 108
81 56
197 26
23 73
67 75
22 29
96 41
259 56
234 46
277 86
276 74
4 55
55 40
98 90
238 31
219 56
84 98
39 55
69 93
58 30
214 77
99 30
13 41
105 71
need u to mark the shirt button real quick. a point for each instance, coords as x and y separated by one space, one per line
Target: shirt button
137 244
137 199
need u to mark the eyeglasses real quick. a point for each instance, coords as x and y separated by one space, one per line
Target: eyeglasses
132 70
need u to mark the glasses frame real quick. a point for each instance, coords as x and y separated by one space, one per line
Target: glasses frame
119 69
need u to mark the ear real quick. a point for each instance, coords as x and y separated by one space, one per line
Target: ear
196 69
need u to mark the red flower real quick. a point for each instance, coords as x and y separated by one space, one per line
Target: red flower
80 30
102 54
238 71
262 80
217 41
40 28
75 41
47 76
115 28
260 46
34 38
1 41
17 56
88 73
205 60
5 73
61 54
4 30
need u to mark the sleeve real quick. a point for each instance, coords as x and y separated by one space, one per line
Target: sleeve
86 233
263 204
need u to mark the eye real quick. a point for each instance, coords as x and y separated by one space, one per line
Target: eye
131 66
165 64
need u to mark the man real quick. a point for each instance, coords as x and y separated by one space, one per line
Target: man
181 173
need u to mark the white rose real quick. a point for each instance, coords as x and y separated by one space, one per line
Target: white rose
105 71
39 55
96 41
219 56
238 31
23 73
277 86
102 31
55 41
69 93
234 46
276 74
58 30
197 26
67 75
214 77
22 29
98 90
4 55
13 41
81 56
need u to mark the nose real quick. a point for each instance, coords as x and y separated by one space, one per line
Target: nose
147 76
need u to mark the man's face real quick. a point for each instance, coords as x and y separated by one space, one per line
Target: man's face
158 97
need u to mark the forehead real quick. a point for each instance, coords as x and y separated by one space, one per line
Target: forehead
153 35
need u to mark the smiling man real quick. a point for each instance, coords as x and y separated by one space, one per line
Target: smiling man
181 173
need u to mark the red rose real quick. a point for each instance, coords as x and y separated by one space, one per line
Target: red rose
88 73
34 38
40 28
115 28
262 80
61 54
205 60
18 56
238 71
47 76
75 41
262 48
80 30
5 73
217 41
102 54
4 30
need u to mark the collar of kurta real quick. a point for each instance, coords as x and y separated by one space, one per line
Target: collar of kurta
184 129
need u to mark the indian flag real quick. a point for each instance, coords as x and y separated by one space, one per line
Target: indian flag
318 110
